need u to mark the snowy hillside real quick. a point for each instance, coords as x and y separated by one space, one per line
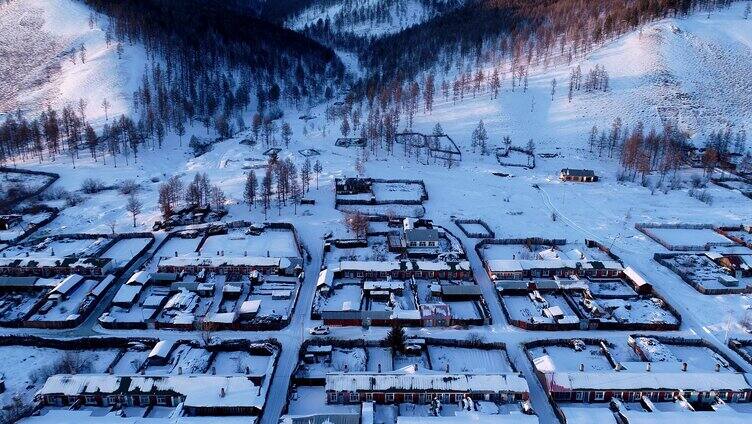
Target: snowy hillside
42 64
692 70
370 18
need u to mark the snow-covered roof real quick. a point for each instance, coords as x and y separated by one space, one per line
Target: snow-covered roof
326 277
544 364
726 416
388 266
636 278
139 277
69 283
519 265
162 349
383 285
366 381
71 385
698 381
217 261
87 416
472 418
127 293
103 285
250 306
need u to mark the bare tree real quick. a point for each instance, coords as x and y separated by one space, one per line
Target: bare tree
133 206
357 223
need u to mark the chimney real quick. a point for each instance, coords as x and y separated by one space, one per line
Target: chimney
582 367
647 367
180 370
447 367
379 367
222 392
214 370
717 367
247 370
684 366
245 253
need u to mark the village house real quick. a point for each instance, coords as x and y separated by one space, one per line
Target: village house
416 387
578 175
419 233
350 186
9 221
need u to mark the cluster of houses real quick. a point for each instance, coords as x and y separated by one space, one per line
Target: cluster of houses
166 380
204 300
424 279
554 285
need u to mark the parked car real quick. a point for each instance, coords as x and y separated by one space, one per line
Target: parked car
319 330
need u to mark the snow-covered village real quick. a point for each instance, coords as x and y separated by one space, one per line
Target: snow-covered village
375 211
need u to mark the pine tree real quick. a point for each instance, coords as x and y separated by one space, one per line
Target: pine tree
317 169
396 337
249 191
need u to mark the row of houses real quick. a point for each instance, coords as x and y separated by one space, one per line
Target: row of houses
515 269
51 266
422 387
700 387
237 265
404 269
200 395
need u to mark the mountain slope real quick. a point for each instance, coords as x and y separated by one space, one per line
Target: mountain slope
42 62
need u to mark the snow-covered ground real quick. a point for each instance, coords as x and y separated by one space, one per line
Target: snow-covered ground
695 69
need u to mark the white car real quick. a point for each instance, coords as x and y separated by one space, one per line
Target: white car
320 330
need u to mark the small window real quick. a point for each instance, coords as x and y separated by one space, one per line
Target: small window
332 397
390 397
578 396
354 397
144 400
112 400
90 400
161 400
408 398
369 397
599 395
